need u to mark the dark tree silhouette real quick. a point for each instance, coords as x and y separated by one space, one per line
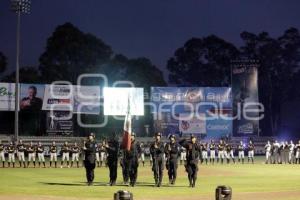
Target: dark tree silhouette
202 62
27 75
279 58
70 52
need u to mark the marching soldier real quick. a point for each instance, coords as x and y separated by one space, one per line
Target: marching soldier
172 151
11 154
65 154
40 151
193 153
157 151
53 154
241 150
31 149
2 156
268 152
89 148
112 148
75 154
131 159
251 152
212 148
21 153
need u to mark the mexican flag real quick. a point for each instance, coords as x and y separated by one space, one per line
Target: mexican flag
126 142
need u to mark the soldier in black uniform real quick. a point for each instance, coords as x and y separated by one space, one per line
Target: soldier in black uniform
112 148
157 151
53 154
21 153
193 153
2 157
172 152
131 160
11 154
89 148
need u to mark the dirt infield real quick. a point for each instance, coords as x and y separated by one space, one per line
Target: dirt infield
282 195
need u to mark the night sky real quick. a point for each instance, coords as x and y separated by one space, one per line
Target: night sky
152 29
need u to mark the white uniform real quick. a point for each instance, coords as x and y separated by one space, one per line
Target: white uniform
268 153
21 153
241 151
75 154
298 151
11 154
31 153
2 149
41 156
183 154
212 148
53 153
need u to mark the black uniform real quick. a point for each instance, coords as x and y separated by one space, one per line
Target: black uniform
90 160
192 157
157 152
172 152
131 162
112 160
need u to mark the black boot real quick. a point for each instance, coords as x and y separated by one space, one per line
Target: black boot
55 164
50 163
77 164
44 164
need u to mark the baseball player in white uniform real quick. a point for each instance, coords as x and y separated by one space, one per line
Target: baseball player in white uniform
291 152
11 154
276 147
204 152
182 155
21 153
65 149
212 149
75 154
31 149
241 150
251 152
41 156
2 156
268 152
53 154
221 151
298 152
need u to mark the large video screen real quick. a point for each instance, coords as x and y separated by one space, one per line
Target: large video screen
116 101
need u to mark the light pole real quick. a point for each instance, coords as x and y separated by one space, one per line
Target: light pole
18 6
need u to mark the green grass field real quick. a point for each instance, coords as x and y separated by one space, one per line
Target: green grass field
258 181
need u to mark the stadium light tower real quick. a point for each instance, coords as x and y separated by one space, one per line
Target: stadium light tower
19 7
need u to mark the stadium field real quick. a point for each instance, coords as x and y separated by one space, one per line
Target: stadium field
248 181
